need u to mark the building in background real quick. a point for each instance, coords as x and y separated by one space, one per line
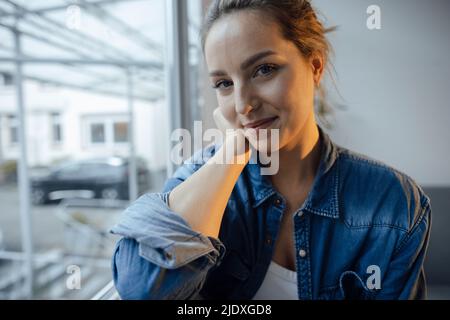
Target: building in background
65 124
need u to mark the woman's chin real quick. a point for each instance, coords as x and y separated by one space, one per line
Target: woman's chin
266 146
264 141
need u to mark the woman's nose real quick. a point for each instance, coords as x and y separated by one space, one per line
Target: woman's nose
243 103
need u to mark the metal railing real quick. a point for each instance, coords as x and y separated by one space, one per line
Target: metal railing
107 293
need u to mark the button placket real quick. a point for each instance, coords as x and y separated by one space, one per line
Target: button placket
303 262
302 253
268 239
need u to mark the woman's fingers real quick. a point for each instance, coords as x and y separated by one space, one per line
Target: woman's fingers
222 123
230 132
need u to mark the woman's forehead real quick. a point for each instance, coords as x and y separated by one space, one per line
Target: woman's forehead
239 35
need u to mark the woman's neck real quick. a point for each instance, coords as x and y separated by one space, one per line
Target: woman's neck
298 163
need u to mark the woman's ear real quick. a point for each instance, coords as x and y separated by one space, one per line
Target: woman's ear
317 64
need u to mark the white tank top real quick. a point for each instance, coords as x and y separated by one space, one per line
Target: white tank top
279 284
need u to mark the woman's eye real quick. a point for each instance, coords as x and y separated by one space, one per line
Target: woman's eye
222 84
265 70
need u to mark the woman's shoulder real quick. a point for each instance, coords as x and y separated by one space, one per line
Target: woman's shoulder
378 192
359 166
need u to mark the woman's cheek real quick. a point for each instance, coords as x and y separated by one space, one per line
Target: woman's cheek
275 91
229 113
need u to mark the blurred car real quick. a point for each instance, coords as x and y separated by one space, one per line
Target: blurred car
101 178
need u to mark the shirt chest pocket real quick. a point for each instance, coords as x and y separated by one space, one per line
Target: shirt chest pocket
331 293
350 287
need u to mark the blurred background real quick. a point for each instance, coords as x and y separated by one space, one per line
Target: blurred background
90 92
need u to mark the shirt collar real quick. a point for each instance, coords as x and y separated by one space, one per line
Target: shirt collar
323 199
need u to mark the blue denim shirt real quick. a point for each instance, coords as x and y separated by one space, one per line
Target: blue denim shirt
362 233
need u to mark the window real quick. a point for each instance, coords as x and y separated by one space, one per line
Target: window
6 79
69 170
13 129
97 133
76 107
120 132
56 127
108 131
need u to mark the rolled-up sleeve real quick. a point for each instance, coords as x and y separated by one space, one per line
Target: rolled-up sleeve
159 255
164 237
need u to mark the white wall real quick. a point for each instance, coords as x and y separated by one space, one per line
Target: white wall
395 82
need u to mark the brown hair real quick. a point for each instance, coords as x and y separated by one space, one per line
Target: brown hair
299 24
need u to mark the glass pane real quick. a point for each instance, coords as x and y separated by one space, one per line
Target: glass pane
97 133
57 133
76 110
13 133
120 132
56 127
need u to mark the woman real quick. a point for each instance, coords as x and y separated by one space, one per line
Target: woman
329 224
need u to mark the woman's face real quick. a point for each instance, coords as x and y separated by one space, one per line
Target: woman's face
261 79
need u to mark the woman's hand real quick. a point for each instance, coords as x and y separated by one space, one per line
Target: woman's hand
234 137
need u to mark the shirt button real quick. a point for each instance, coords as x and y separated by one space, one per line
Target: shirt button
300 214
277 202
302 253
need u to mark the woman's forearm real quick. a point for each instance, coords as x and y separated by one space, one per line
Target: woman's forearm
201 199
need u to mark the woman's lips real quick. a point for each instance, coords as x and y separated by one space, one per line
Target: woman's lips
260 124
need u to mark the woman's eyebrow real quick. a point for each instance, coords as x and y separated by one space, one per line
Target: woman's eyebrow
247 63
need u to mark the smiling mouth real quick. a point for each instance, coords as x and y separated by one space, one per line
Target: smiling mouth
261 124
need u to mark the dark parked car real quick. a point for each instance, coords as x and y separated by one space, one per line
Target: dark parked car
105 178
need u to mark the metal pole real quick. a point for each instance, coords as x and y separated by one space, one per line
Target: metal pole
172 91
1 141
60 7
108 62
177 70
132 173
24 182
